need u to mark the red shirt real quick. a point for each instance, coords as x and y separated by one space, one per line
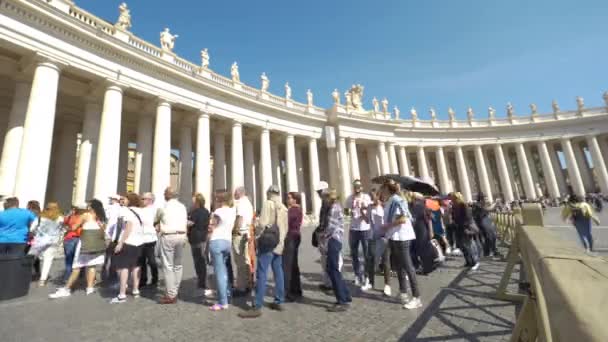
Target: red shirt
73 222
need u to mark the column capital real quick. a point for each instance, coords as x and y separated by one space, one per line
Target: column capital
312 139
163 102
202 113
236 123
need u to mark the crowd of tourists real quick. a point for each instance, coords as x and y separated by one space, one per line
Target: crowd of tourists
125 242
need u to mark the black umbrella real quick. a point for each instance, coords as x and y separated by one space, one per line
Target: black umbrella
409 183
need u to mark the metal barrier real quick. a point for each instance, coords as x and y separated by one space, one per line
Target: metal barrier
568 291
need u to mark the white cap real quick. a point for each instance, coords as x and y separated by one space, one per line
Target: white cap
115 197
322 186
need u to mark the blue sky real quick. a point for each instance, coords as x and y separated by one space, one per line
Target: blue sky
415 53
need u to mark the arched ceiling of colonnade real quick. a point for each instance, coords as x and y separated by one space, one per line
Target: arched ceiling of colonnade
418 54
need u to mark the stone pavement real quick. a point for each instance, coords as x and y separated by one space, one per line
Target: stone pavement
456 308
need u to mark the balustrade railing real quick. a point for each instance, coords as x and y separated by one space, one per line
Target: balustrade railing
91 20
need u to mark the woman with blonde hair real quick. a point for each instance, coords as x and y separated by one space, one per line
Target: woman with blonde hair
220 240
47 234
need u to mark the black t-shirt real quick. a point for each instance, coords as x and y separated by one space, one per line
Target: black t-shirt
198 232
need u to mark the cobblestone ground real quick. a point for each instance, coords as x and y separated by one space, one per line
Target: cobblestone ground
456 308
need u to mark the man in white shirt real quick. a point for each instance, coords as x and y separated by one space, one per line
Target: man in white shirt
240 240
149 236
172 223
360 234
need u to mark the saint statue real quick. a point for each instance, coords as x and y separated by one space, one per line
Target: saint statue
533 108
433 114
336 96
375 105
384 105
309 97
605 97
396 112
414 114
580 103
265 82
287 91
167 40
509 110
555 106
451 114
234 72
349 99
124 18
355 97
491 113
470 113
205 58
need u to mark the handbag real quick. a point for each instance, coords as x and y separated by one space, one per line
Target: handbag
269 239
92 241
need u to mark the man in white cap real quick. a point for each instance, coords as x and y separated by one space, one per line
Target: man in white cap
322 189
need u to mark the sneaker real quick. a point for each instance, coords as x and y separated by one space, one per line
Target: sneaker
475 267
136 294
357 282
275 307
456 252
415 303
387 290
209 293
366 286
90 290
118 300
404 298
61 292
251 313
448 251
338 308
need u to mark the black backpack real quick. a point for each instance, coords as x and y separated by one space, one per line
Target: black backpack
269 239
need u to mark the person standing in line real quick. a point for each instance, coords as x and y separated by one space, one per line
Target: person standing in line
439 230
149 237
360 234
424 256
220 237
581 215
291 268
274 215
240 240
114 228
47 235
34 206
465 230
399 229
322 189
198 225
172 225
14 228
90 249
128 249
73 224
481 215
379 244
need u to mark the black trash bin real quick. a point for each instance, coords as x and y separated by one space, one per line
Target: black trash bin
16 276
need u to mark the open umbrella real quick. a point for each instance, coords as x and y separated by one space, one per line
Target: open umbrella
410 183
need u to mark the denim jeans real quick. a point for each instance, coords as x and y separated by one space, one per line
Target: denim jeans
220 252
334 247
583 228
356 238
400 250
276 262
69 249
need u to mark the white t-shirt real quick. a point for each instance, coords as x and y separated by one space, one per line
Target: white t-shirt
245 210
147 215
356 203
136 237
377 215
404 231
224 217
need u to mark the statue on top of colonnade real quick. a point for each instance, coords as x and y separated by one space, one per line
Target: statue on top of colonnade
167 40
309 98
375 104
396 112
205 58
470 114
335 95
451 114
354 98
124 18
384 103
491 113
605 97
287 91
580 104
234 72
265 82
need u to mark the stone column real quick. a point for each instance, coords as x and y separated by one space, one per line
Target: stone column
372 162
315 178
384 163
422 164
290 159
236 165
583 166
404 163
13 137
185 157
143 155
88 147
34 158
354 159
463 175
345 181
265 161
444 179
332 162
599 165
560 175
123 161
503 173
550 179
524 170
108 150
573 173
62 181
219 162
277 175
482 171
203 158
392 157
161 160
250 172
300 174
